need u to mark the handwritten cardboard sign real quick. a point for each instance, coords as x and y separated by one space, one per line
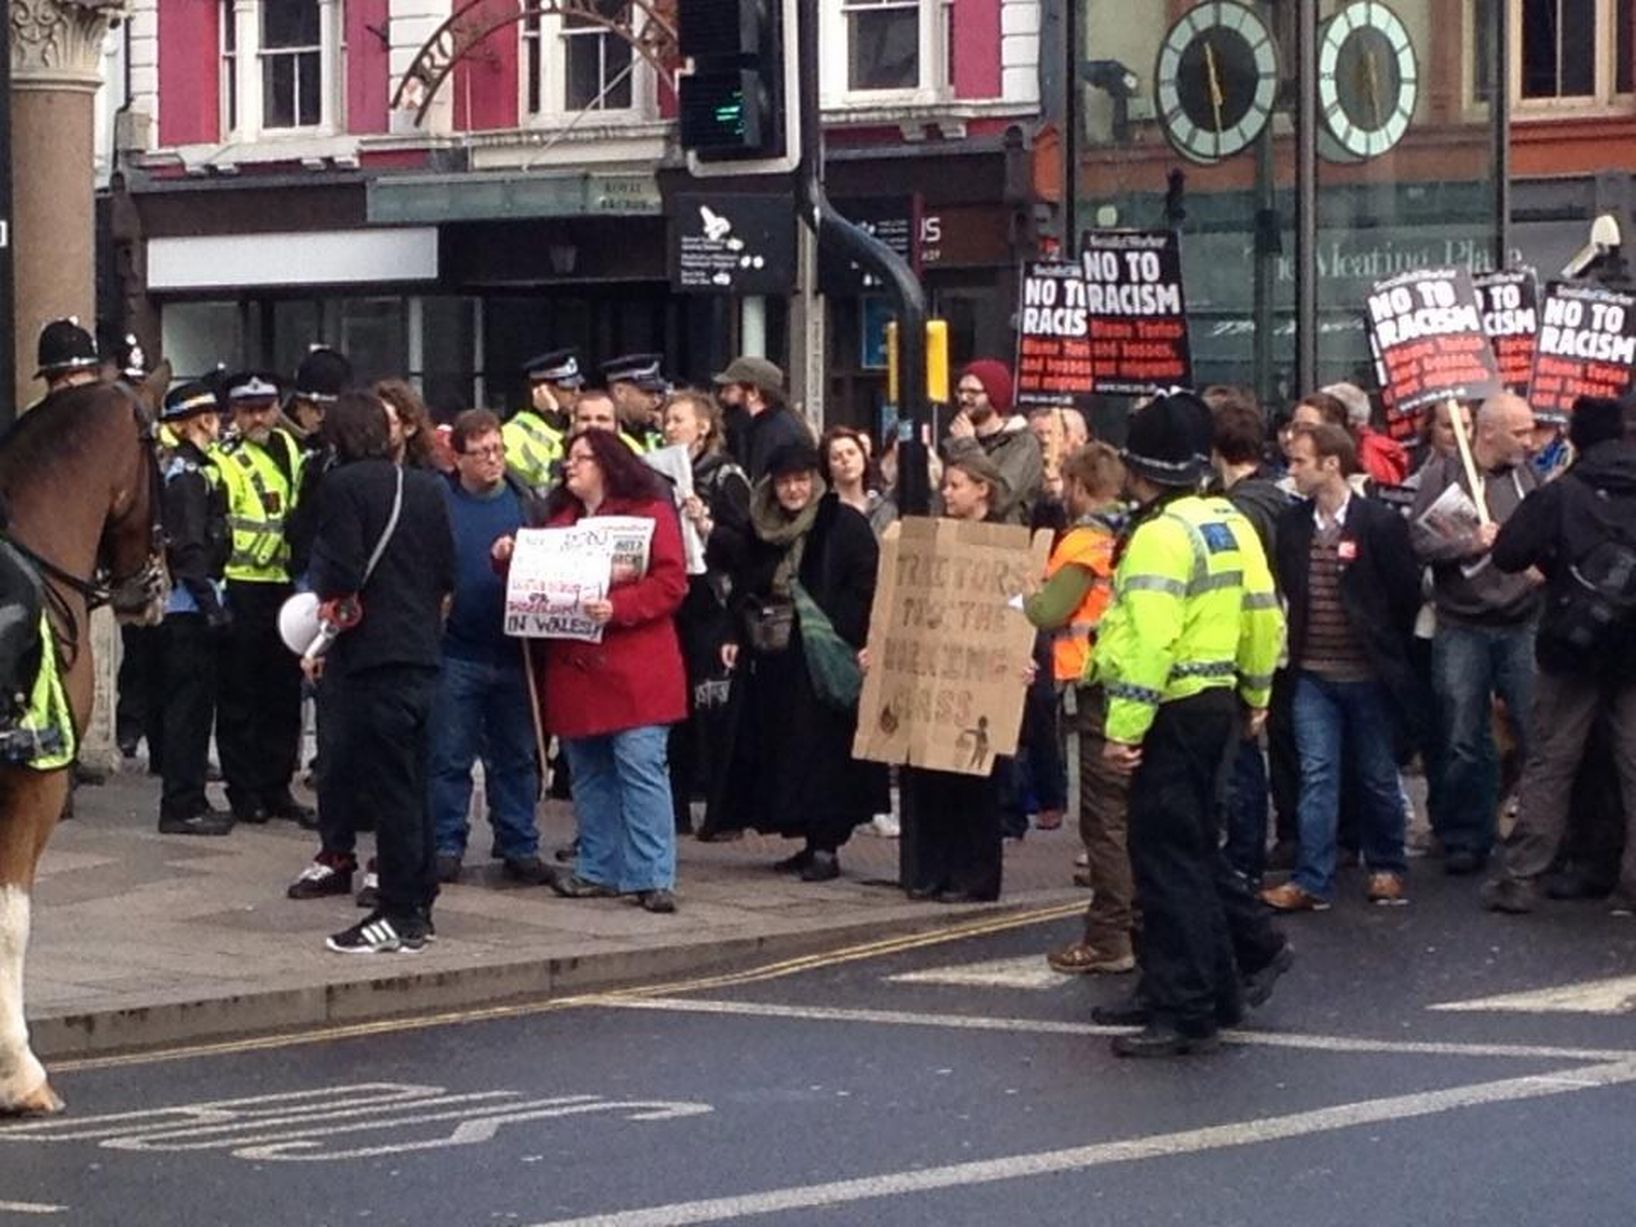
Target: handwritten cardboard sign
948 647
1114 322
1426 330
1587 347
1509 302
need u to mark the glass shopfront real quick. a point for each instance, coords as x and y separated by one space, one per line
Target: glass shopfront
1185 116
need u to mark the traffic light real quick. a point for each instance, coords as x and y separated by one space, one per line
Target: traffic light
738 100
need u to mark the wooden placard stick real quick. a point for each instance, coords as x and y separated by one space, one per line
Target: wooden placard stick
1479 493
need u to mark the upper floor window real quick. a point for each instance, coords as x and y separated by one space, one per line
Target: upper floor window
574 63
1574 52
883 44
279 62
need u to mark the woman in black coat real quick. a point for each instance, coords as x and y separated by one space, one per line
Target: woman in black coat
792 768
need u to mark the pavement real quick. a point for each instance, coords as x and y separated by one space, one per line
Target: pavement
141 939
1429 1063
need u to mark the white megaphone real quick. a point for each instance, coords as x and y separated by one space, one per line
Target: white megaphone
302 628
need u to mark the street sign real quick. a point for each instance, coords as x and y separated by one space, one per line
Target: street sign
724 243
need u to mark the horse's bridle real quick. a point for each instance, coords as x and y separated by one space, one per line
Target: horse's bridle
118 590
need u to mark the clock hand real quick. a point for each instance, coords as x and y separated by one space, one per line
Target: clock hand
1216 99
1372 74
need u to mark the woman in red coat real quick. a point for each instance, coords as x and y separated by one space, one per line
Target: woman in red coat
611 703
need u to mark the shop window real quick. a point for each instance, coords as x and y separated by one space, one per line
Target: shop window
1576 52
279 61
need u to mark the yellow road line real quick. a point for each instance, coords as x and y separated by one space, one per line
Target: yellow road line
772 971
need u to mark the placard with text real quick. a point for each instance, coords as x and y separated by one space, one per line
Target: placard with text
1426 328
1509 302
1587 347
1113 322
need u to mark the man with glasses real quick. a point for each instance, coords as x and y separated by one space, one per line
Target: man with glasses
986 424
482 706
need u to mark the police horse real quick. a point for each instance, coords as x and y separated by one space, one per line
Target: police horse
80 480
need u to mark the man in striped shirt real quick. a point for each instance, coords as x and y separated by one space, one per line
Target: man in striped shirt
1345 566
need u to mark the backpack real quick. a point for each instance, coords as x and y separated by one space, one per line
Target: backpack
1598 605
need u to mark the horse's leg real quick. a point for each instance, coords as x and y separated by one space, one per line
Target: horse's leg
31 803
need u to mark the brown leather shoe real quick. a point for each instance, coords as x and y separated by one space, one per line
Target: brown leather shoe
1083 959
1386 890
1288 897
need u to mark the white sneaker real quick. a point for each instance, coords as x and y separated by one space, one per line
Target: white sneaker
885 825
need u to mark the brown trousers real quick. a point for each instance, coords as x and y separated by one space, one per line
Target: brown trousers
1103 797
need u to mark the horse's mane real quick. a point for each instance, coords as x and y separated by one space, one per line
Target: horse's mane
44 441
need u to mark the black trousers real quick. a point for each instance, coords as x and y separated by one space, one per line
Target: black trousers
139 705
1200 923
951 838
1283 760
258 715
384 716
187 682
336 781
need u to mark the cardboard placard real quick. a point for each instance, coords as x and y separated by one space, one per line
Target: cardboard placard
1509 302
1427 331
948 646
1587 347
1114 322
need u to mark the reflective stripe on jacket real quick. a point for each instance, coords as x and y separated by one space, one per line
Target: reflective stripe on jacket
533 449
1089 546
1193 609
259 495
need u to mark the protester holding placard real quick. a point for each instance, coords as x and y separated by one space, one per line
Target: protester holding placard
801 600
1484 643
719 512
610 702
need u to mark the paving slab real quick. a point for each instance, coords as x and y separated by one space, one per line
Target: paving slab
142 939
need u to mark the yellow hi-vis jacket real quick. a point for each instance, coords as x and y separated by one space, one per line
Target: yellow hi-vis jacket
259 497
1193 609
533 448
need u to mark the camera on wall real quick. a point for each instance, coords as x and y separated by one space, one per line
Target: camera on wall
1600 257
1120 83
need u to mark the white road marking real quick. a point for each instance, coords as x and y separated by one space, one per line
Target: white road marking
1615 996
1392 1109
1037 1026
30 1207
1031 972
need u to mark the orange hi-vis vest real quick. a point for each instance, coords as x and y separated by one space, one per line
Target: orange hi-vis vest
1089 546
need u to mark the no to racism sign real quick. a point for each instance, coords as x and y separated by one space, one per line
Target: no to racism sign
1587 346
1509 302
1114 322
1426 329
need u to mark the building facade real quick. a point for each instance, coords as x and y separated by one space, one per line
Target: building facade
444 188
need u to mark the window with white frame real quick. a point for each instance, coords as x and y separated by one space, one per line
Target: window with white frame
882 44
279 65
1574 52
574 63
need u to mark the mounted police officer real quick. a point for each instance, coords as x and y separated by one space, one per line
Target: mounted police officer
639 388
1194 631
196 548
534 435
258 721
67 357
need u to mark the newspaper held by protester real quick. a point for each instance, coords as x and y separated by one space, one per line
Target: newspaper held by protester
675 465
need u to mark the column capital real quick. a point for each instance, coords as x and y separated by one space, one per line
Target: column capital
57 44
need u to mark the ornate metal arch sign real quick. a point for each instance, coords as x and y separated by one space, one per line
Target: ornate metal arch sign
649 26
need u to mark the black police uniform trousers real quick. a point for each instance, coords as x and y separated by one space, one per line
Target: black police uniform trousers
383 721
187 674
1201 926
258 717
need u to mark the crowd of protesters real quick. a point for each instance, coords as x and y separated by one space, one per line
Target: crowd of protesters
1456 604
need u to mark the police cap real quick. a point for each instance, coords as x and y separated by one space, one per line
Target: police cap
559 366
642 370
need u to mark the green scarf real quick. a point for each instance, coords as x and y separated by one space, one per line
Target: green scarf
776 526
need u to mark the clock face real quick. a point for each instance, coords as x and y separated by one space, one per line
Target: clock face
1216 80
1368 81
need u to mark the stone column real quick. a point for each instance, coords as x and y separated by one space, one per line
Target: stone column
56 51
56 54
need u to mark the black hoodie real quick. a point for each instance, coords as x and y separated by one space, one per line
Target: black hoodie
1555 527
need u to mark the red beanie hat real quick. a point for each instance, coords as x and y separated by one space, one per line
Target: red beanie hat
995 376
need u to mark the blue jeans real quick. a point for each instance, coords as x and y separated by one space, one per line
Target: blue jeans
482 710
1354 715
1471 664
627 830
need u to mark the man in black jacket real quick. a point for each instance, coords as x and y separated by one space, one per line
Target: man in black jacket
384 669
751 391
1580 533
1353 587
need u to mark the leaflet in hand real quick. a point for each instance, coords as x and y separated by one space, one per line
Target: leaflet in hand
1452 516
675 464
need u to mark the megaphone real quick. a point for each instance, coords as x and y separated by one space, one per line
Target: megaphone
300 626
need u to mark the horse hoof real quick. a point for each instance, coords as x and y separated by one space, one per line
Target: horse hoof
41 1101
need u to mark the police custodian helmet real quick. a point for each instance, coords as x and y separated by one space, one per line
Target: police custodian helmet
65 346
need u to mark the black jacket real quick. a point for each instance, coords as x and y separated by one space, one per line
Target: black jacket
1260 500
196 536
765 433
1379 588
837 568
1555 527
403 600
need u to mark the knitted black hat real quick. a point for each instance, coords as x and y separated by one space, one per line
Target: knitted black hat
1169 440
